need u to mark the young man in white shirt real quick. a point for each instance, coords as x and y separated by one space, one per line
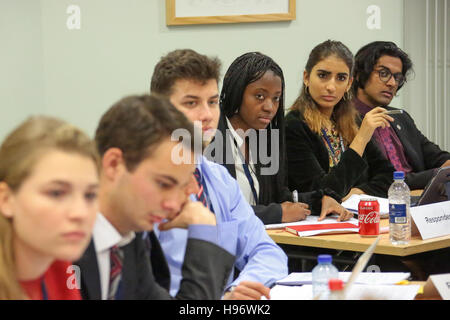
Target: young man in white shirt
141 185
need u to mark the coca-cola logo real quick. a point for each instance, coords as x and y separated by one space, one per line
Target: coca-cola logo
371 217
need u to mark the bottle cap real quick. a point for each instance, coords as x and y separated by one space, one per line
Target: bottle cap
399 175
324 258
336 284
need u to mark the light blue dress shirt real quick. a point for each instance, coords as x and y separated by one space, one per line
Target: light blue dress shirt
239 231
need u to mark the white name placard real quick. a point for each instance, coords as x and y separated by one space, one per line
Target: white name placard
442 284
432 220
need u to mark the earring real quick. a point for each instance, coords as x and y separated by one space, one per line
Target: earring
347 96
306 90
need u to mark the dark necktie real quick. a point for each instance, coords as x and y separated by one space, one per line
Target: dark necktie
115 275
201 195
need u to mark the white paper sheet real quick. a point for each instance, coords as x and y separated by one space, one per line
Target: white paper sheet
373 278
310 220
352 204
357 292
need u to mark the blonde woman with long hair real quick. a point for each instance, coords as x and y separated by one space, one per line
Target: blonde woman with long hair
325 146
48 204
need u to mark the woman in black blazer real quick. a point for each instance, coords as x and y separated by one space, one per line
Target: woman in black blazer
326 149
252 98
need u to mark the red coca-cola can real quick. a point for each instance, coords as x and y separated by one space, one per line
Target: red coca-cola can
369 217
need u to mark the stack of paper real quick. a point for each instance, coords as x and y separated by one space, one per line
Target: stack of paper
306 230
312 220
352 204
372 278
368 285
357 292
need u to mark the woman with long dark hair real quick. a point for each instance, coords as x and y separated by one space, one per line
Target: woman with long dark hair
327 149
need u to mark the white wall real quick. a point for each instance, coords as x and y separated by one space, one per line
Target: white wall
21 62
82 72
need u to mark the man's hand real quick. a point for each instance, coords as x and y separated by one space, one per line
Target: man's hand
248 290
446 164
330 206
191 213
294 211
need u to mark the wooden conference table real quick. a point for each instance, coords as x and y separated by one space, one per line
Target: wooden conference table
354 242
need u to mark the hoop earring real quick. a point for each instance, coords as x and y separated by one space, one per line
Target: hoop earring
347 96
306 90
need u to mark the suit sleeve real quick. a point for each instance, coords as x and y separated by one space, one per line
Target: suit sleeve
269 214
147 286
305 171
430 153
205 270
419 180
433 156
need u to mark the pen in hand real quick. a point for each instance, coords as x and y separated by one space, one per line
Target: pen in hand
393 112
295 195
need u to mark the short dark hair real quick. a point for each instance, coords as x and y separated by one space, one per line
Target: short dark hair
183 64
367 57
137 125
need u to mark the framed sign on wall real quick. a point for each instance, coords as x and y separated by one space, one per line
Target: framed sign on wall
183 12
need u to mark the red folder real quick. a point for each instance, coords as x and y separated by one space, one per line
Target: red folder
327 226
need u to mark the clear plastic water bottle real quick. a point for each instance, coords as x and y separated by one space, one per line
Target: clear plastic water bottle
321 274
399 215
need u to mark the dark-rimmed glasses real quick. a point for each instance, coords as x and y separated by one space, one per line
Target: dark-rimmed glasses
385 75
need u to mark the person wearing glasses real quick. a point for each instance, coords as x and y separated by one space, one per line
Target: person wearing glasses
325 146
381 69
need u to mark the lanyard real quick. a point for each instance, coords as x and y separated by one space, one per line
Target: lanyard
44 290
250 181
330 147
247 173
118 295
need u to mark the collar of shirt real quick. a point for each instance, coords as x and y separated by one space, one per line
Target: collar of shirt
106 236
236 136
237 148
361 106
241 176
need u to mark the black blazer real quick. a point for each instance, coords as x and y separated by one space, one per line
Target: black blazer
309 168
271 194
422 154
205 271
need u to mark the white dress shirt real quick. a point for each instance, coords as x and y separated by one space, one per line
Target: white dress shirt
241 178
105 237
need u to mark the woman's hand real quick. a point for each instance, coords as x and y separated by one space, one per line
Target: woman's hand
331 206
375 118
